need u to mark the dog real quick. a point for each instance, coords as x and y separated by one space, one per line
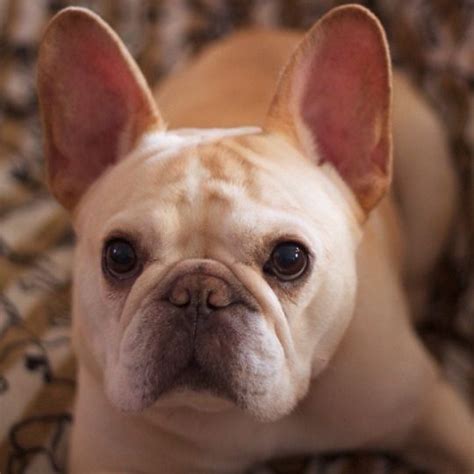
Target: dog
244 280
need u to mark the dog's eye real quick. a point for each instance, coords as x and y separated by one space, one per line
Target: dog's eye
288 261
120 258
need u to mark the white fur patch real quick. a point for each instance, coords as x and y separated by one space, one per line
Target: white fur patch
164 144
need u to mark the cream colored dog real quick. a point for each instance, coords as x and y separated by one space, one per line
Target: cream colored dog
239 292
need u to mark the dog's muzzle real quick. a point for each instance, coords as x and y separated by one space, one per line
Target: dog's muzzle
193 331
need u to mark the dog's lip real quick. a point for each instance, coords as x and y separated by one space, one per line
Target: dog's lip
194 378
193 364
192 368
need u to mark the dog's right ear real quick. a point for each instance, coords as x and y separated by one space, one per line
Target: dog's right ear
333 100
95 103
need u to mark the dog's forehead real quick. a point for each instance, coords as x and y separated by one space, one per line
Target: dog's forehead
210 192
190 165
200 157
204 179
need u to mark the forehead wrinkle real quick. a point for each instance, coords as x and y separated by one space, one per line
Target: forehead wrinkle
215 170
226 164
206 182
173 169
212 179
176 179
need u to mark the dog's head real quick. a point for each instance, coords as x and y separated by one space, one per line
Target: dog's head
215 264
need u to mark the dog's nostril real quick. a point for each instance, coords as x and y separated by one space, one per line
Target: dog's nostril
217 299
179 296
205 293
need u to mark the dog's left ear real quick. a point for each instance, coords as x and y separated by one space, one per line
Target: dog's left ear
333 100
95 103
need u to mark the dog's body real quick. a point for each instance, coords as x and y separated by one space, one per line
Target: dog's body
350 372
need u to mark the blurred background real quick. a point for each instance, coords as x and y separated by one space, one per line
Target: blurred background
433 40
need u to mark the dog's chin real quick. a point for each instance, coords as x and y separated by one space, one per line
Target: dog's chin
195 378
202 400
198 389
192 386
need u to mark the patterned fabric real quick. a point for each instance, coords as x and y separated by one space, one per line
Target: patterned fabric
433 39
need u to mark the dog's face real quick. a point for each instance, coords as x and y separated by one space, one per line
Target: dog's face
214 267
215 263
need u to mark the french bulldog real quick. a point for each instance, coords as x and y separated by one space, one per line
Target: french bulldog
243 278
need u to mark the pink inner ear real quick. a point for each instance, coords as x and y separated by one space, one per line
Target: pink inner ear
345 102
98 97
93 110
95 104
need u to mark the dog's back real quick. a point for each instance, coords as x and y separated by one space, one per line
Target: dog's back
231 83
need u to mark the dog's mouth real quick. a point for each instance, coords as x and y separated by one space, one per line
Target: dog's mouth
161 356
196 377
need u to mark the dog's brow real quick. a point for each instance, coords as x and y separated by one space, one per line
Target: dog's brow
220 163
225 164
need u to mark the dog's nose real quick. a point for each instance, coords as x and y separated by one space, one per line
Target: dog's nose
206 293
